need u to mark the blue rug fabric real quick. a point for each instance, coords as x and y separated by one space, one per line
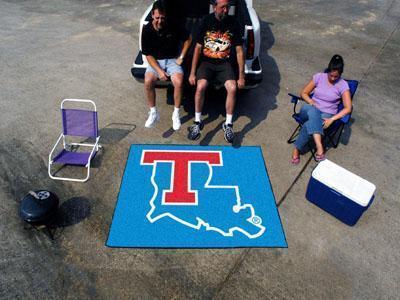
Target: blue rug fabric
177 196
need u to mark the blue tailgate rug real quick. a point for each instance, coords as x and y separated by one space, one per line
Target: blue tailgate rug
195 197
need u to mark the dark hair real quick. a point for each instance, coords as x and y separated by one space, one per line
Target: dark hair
336 64
158 5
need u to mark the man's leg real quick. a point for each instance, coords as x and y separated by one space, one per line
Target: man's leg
149 87
177 82
199 95
230 86
195 129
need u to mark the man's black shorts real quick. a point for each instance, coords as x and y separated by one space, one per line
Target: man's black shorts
220 72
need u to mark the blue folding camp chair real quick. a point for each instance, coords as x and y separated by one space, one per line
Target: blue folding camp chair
333 133
77 123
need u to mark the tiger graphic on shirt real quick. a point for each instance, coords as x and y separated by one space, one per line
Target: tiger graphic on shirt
217 45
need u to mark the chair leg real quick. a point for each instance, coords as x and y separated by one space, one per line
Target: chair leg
338 138
312 149
295 133
52 176
332 137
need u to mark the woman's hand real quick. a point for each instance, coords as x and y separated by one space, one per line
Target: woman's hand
328 122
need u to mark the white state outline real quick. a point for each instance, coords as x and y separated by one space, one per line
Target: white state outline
253 219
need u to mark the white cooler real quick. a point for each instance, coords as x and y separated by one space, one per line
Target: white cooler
339 192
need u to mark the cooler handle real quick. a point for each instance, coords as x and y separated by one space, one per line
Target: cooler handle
336 192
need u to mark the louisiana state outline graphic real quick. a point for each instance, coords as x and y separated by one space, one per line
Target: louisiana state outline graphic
179 193
193 196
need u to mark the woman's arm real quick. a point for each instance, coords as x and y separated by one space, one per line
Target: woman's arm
346 109
305 93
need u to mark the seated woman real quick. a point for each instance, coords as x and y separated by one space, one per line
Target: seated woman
321 110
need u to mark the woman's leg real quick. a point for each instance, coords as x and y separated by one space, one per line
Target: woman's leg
318 135
307 114
312 126
318 143
301 140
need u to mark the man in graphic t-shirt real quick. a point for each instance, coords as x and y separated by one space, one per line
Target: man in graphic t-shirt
160 45
218 36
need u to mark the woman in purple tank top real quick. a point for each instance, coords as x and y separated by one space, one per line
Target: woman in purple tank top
322 96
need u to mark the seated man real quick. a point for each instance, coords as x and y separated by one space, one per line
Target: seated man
161 44
218 34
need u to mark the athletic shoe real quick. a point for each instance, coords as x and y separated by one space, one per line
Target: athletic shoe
176 121
228 132
153 118
195 130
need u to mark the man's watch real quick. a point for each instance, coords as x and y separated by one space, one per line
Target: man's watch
181 57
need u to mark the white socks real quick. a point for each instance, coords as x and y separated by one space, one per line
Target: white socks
228 119
176 111
153 109
197 117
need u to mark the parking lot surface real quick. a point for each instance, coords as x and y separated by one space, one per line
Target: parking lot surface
51 50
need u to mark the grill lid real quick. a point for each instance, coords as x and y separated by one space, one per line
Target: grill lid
39 206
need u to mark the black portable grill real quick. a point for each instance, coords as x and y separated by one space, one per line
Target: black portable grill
39 209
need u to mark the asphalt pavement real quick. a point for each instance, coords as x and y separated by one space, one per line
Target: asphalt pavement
51 50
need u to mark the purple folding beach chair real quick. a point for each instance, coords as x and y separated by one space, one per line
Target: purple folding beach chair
77 123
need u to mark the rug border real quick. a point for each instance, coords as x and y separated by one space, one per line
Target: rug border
212 247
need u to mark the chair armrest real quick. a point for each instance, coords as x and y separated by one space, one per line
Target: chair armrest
55 146
295 100
95 147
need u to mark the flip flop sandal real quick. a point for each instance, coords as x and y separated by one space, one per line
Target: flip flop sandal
295 160
320 157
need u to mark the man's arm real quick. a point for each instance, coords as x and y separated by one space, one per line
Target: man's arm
240 61
185 49
195 61
154 64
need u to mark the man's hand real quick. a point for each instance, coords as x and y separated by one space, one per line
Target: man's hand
192 79
163 75
327 122
240 83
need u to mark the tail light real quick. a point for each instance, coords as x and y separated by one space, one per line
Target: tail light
250 44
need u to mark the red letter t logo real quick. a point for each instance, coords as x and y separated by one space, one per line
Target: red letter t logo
180 193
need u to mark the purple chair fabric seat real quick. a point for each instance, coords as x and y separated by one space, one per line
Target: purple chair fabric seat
73 158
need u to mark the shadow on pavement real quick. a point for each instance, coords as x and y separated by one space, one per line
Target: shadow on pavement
72 211
115 132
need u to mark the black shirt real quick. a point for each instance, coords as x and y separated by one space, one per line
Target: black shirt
219 38
164 43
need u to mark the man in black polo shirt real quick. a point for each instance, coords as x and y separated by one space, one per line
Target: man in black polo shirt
218 35
160 45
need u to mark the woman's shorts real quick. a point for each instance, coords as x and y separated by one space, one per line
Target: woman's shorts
216 72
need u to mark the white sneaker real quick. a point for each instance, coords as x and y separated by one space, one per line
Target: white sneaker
153 118
176 121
